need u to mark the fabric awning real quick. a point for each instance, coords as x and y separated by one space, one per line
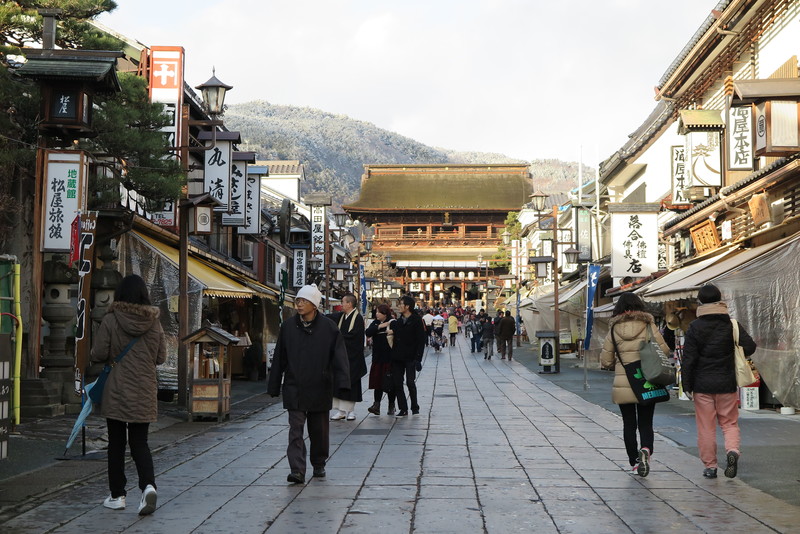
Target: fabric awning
215 283
678 274
687 286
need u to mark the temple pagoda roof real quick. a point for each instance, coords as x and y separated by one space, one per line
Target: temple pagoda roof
453 188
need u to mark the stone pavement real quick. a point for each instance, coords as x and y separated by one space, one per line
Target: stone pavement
496 448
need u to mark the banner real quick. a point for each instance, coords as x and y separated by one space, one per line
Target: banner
363 285
593 274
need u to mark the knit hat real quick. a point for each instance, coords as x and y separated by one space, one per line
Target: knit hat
311 294
709 293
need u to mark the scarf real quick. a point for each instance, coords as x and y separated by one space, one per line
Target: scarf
712 308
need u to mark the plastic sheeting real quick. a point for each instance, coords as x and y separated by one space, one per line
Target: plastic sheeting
161 277
764 296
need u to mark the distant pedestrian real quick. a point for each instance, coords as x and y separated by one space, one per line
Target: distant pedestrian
409 346
129 401
474 330
629 324
351 325
381 359
496 324
310 362
708 373
452 328
505 333
487 337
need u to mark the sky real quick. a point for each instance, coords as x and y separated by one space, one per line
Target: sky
531 79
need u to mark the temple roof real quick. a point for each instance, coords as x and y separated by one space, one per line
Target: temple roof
439 187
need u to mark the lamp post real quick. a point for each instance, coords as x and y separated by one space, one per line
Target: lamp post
571 254
213 92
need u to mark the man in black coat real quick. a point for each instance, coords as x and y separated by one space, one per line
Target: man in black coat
351 325
708 372
505 333
311 361
409 346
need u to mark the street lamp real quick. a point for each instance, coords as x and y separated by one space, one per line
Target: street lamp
213 92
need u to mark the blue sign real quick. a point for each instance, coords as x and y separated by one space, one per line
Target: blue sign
594 274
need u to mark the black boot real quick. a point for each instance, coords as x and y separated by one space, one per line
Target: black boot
375 409
390 411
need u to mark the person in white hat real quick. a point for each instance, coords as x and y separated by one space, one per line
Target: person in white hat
310 363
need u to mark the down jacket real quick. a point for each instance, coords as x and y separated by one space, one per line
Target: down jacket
309 364
629 332
708 362
131 392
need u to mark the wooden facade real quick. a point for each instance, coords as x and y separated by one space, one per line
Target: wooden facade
436 220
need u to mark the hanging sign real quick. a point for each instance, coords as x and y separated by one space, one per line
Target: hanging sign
65 196
252 205
218 174
740 138
166 88
635 239
759 209
705 159
238 194
299 267
705 237
318 223
679 178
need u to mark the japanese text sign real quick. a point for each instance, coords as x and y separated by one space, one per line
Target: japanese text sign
65 195
218 173
740 138
635 244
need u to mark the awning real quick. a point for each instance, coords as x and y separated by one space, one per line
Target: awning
768 88
687 286
258 287
215 283
604 310
694 120
564 295
678 274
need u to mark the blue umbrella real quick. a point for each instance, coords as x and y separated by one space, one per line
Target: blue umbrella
81 420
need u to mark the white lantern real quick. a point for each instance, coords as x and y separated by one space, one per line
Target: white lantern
461 275
423 275
442 275
433 275
452 275
413 275
471 276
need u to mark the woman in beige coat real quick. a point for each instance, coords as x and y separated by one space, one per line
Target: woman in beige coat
629 323
129 401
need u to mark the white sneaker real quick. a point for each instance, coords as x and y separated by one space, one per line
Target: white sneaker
338 415
351 416
115 503
148 503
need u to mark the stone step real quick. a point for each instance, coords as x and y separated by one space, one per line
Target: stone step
38 411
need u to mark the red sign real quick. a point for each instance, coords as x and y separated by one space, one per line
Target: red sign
74 240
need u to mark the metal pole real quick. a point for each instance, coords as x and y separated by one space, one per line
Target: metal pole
556 311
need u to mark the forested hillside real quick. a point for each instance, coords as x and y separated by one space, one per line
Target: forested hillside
334 148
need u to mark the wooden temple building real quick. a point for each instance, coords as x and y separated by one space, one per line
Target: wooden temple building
434 221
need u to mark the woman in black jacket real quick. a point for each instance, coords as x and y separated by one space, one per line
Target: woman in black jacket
708 372
381 358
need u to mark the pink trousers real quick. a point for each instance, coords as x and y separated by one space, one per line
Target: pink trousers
710 408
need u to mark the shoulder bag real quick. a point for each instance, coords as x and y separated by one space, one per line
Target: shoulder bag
646 392
95 389
744 373
656 366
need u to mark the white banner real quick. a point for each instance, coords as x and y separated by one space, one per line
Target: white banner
705 159
299 267
635 244
65 195
218 173
166 87
679 178
318 225
235 214
252 205
740 138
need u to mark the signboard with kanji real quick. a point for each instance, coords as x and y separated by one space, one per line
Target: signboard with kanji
236 210
65 195
252 205
679 177
635 244
218 173
299 267
740 138
318 224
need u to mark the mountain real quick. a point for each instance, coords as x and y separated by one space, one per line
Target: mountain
334 148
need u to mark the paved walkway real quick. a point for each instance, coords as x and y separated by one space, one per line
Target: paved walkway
496 448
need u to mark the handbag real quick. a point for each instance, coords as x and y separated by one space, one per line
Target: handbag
656 366
744 373
97 387
387 382
646 392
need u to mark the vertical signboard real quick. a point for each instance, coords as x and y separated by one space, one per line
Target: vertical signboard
218 174
740 138
252 205
704 159
88 225
65 196
238 194
635 244
318 223
679 178
584 233
299 278
166 87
